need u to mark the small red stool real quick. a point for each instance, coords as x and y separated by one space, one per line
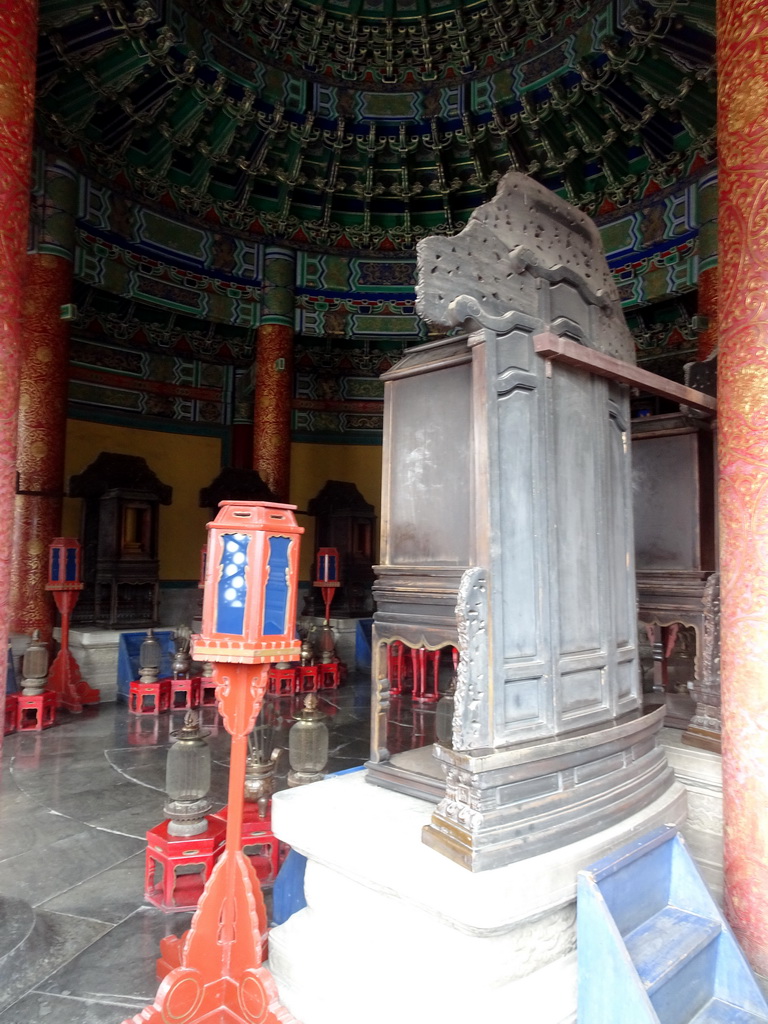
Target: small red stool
207 692
259 843
36 713
149 698
177 867
11 712
424 660
185 693
328 676
306 678
281 682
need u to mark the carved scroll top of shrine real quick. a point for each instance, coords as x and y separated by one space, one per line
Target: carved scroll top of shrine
525 251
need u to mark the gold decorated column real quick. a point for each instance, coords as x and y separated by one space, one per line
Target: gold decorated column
18 41
274 373
43 380
743 452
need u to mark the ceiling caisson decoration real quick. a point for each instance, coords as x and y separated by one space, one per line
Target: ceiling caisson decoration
369 124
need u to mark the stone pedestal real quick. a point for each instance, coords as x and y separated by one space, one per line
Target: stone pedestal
415 936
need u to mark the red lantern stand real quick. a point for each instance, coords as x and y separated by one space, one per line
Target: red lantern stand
64 582
214 972
328 582
327 573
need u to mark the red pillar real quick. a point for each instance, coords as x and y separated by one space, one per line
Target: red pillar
42 422
707 306
743 451
274 374
18 43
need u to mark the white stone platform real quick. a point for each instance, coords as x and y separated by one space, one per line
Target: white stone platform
701 772
395 931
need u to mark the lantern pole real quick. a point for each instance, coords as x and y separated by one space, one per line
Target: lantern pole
64 582
215 972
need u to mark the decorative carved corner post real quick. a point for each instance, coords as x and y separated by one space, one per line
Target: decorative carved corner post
249 621
507 528
704 729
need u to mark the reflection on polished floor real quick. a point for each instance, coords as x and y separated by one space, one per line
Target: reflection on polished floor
75 804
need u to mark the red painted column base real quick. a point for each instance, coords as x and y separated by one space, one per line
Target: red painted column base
72 691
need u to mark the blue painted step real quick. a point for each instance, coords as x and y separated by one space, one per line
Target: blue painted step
653 946
661 946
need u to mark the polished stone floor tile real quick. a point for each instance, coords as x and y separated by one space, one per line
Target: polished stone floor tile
95 801
120 968
44 1008
28 826
57 938
56 867
135 820
110 896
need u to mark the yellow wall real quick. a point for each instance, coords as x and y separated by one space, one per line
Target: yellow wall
186 462
313 464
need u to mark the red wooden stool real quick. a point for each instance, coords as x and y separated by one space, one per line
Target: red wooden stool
259 843
306 678
149 698
207 692
177 867
424 660
281 682
36 713
328 676
185 693
11 712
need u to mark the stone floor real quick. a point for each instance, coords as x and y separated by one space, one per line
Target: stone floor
75 804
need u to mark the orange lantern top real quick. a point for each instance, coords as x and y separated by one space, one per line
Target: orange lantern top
251 585
64 564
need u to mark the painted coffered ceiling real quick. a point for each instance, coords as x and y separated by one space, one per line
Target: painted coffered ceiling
368 124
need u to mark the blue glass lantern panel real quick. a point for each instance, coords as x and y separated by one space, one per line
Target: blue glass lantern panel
329 570
232 588
276 590
55 565
71 570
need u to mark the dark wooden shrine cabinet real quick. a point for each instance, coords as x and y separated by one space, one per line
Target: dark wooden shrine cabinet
346 521
673 460
507 534
119 534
